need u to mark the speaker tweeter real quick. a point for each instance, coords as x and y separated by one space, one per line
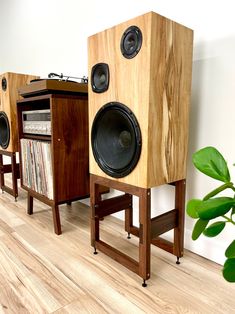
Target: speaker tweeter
4 84
131 42
100 77
116 139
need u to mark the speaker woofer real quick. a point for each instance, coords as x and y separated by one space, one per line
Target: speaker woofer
100 77
4 84
4 130
131 42
116 139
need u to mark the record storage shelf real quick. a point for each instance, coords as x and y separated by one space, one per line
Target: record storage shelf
68 145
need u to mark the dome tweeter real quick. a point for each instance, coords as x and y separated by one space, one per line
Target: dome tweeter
4 130
100 77
116 139
131 42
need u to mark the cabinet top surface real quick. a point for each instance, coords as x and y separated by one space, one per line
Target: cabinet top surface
52 86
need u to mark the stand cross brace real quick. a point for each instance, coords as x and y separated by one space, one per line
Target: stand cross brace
149 229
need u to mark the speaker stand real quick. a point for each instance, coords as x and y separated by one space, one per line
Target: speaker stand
13 168
149 228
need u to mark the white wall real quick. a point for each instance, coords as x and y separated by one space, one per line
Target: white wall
39 37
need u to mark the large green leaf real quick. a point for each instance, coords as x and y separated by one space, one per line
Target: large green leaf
230 252
215 207
192 207
214 229
199 227
229 270
209 161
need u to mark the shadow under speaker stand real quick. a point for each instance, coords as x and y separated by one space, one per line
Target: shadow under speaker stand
139 128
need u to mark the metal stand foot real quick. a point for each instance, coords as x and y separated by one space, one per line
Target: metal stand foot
95 252
128 235
144 284
178 260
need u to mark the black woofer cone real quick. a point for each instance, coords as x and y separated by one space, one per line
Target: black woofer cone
131 42
100 77
116 139
4 130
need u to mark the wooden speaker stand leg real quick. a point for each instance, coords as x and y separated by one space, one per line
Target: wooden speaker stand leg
150 228
1 172
178 248
14 175
94 199
145 230
14 169
129 220
103 208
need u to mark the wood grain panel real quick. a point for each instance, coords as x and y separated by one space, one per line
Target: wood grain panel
170 87
155 85
70 146
8 100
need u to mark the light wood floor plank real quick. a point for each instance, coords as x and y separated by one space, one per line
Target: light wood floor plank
41 272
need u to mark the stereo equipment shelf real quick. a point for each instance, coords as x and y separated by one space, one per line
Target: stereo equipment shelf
37 137
68 144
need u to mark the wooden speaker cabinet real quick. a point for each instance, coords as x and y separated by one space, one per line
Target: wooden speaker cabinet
153 84
10 83
139 92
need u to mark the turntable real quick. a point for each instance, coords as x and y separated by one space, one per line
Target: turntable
59 85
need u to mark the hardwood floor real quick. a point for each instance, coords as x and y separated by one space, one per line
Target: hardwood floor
41 272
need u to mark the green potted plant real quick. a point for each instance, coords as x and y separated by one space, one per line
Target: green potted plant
214 212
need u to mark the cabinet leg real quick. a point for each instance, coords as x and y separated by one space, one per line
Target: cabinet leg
30 205
56 219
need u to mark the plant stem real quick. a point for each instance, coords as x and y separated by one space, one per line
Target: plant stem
219 189
228 219
232 187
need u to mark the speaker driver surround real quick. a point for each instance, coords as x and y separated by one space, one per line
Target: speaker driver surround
4 130
4 84
131 42
100 77
116 139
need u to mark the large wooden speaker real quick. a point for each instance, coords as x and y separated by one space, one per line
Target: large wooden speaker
139 93
10 82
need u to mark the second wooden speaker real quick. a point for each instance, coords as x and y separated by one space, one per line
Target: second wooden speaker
10 82
139 93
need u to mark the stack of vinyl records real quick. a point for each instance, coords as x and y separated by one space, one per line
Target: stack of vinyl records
37 166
